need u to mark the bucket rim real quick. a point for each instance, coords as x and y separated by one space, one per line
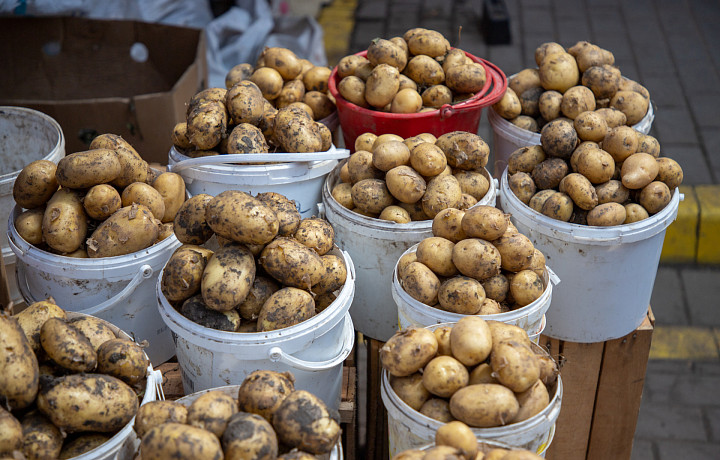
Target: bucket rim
587 234
492 91
549 278
326 319
59 145
385 225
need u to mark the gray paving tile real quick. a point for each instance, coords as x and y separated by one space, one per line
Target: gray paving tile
704 107
665 90
371 10
441 9
366 31
711 367
642 450
667 299
703 288
676 126
713 417
668 366
672 450
670 421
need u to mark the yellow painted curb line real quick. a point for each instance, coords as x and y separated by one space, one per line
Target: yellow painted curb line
684 342
681 236
708 251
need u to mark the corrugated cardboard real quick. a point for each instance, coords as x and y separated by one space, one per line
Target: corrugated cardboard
81 73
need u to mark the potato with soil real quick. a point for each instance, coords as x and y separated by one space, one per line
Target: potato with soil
484 405
40 438
476 258
442 192
532 401
382 85
549 105
227 277
590 126
154 413
352 89
408 351
297 132
11 434
458 435
237 74
421 283
523 186
464 150
635 213
437 409
123 359
177 440
360 166
526 287
620 142
436 96
242 218
444 375
607 214
64 224
334 276
263 391
509 105
603 80
471 340
597 165
486 222
262 288
67 346
515 365
35 184
292 263
29 225
632 104
654 197
95 329
286 211
190 224
669 172
245 103
196 311
580 190
558 71
524 80
558 206
182 274
638 170
371 196
436 254
448 224
101 201
466 78
207 123
613 117
303 421
428 159
410 389
84 169
88 402
144 194
80 444
425 71
133 167
34 316
129 230
577 100
405 184
211 411
559 138
342 193
249 436
287 307
315 233
612 190
525 159
246 138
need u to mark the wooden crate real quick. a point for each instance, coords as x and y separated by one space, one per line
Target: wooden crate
602 388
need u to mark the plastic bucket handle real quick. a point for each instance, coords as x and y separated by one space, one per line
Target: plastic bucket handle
276 354
337 154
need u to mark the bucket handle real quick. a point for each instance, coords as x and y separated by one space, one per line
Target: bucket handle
554 279
277 355
335 154
144 272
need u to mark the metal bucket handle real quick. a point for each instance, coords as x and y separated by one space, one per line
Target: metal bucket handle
276 354
336 154
144 272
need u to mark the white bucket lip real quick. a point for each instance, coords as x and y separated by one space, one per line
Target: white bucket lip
182 325
60 144
549 278
549 412
586 234
385 225
88 266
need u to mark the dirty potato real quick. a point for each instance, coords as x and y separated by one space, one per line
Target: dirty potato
196 311
64 224
227 277
177 440
292 263
211 411
129 230
241 217
408 351
67 346
182 274
303 421
154 413
263 391
284 308
123 359
35 184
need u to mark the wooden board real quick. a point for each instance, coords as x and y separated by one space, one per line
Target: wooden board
376 439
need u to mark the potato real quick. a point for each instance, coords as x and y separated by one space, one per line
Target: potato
669 172
503 332
371 195
246 138
648 144
435 96
442 335
524 80
316 79
415 210
35 184
284 308
597 165
382 85
620 142
444 375
360 166
654 197
558 71
532 401
82 444
262 288
245 103
101 201
383 51
404 261
19 370
496 287
559 138
466 202
263 391
538 200
558 206
292 263
547 48
64 224
182 274
410 389
549 105
482 373
437 409
428 159
458 435
249 436
129 230
29 225
529 102
269 81
464 150
315 233
227 277
442 192
527 123
632 104
283 60
634 213
382 138
421 283
197 311
526 287
509 105
612 190
40 438
406 100
142 193
590 126
94 329
405 184
123 359
577 100
470 340
176 440
525 159
211 411
436 254
207 123
638 170
390 155
240 217
352 89
461 295
334 276
549 173
515 250
11 433
466 78
486 222
155 413
296 132
448 224
425 71
408 351
32 318
303 421
365 142
515 365
607 214
428 42
484 405
613 117
67 346
85 169
603 81
473 183
238 73
476 258
190 224
580 190
82 402
346 66
206 95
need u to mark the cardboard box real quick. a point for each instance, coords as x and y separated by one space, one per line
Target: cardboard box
100 76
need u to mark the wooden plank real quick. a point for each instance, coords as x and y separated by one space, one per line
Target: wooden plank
617 403
347 406
580 373
4 287
376 440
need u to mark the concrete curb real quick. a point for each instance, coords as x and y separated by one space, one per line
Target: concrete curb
695 236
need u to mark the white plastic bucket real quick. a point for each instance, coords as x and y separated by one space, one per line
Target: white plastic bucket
153 388
507 137
132 444
608 272
26 135
313 350
412 312
298 179
375 246
120 290
409 429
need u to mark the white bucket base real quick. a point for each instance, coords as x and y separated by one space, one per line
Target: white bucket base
313 351
608 273
375 246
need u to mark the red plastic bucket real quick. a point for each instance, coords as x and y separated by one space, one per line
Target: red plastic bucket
465 116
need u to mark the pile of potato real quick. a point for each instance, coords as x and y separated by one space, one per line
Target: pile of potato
456 441
272 107
268 418
403 180
482 373
69 384
476 263
602 177
108 192
273 269
568 83
417 72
